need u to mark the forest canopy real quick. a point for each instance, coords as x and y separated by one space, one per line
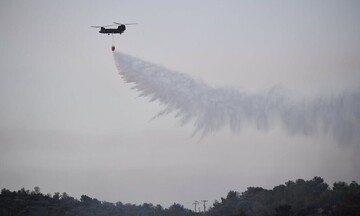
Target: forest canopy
300 197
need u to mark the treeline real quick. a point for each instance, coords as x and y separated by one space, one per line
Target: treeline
300 198
34 203
294 198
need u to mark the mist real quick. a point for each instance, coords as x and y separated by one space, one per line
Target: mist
212 109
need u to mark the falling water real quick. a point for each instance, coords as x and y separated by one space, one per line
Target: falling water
211 109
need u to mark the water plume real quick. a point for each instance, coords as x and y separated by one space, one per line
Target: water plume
211 109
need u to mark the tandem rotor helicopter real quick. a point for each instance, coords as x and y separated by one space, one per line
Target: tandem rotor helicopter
119 30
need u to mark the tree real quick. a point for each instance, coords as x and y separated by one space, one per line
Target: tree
178 210
37 190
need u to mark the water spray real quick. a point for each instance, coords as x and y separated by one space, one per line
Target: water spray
211 109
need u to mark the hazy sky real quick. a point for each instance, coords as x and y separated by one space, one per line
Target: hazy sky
68 122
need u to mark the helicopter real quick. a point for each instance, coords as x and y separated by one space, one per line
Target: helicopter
119 30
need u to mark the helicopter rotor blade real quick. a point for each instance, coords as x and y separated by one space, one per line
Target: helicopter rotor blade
125 23
103 26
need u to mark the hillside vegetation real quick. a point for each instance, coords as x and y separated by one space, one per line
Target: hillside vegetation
298 198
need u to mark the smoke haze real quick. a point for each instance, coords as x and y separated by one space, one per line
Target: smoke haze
212 109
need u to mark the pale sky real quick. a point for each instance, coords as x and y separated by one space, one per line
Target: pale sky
69 123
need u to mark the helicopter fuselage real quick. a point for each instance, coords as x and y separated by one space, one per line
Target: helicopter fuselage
119 30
